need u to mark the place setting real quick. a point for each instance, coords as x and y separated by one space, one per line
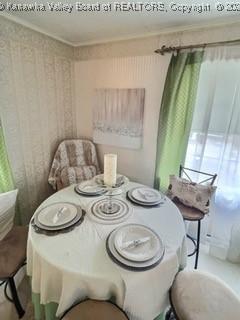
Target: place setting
90 188
60 217
145 197
135 247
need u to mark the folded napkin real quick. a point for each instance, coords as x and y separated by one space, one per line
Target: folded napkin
134 243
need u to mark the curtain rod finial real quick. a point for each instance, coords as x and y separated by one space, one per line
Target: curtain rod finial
161 51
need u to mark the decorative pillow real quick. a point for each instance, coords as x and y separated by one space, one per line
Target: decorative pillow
7 211
71 175
190 193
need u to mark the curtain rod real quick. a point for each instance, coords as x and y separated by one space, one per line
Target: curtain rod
165 49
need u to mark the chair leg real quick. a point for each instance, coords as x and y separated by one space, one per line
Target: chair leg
168 314
15 298
195 245
198 244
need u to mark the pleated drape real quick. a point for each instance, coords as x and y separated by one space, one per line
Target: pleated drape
176 114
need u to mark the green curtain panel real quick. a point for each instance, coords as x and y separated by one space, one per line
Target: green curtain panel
6 179
176 114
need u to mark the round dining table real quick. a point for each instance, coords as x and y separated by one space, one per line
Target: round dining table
67 268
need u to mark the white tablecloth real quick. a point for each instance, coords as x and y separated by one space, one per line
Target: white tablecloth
69 267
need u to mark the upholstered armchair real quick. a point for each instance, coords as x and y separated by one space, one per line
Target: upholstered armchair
74 161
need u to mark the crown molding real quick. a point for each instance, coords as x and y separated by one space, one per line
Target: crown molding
164 31
132 36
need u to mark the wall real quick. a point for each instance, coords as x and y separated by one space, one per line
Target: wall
129 72
132 63
36 107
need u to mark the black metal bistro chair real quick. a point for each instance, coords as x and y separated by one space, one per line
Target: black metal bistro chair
192 214
12 257
95 310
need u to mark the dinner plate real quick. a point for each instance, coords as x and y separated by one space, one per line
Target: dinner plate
128 264
144 204
90 188
146 195
84 194
125 236
60 228
57 227
57 214
121 180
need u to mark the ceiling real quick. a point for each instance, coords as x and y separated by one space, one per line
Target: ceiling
86 27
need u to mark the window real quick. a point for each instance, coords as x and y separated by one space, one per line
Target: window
214 143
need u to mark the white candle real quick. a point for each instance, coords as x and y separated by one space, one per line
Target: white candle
110 169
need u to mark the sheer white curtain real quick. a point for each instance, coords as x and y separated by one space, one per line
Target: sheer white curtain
214 146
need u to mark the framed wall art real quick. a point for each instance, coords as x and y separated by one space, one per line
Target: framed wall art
118 117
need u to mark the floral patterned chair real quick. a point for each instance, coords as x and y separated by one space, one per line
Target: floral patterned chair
74 161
